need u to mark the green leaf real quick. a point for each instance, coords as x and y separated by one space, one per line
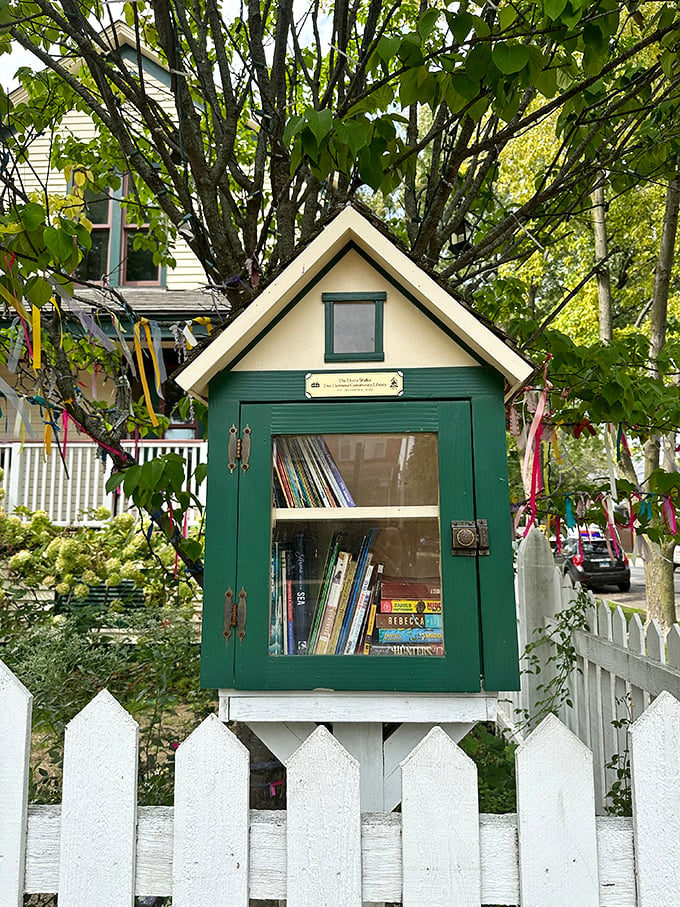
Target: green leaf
554 8
131 478
59 244
293 126
478 63
427 23
461 25
370 165
506 17
113 481
387 48
38 291
510 58
465 86
32 216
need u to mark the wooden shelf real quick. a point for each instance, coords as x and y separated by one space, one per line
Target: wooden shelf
285 514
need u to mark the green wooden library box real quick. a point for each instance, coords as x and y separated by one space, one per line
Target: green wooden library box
358 533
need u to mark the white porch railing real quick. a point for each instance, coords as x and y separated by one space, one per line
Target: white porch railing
70 494
619 669
99 847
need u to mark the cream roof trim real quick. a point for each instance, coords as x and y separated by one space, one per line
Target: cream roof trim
349 226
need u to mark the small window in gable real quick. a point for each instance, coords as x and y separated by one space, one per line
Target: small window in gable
354 327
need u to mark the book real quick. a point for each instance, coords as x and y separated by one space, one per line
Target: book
306 474
407 588
410 605
366 635
276 610
411 635
329 563
342 607
408 620
345 498
362 559
358 619
425 649
300 628
332 602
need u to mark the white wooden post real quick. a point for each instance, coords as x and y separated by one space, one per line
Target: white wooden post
210 854
440 830
537 595
15 746
14 464
655 781
636 644
99 807
324 825
556 819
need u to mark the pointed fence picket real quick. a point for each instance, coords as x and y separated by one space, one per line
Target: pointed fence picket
97 848
618 670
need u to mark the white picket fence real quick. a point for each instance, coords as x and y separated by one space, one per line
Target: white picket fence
619 669
209 850
33 480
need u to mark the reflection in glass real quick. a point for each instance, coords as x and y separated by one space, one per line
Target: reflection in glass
366 580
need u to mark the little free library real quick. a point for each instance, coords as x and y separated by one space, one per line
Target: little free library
358 533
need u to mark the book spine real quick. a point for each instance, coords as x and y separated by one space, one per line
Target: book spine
358 620
427 649
334 592
415 634
275 627
405 621
283 576
347 499
299 594
289 612
410 605
307 451
342 608
356 588
367 638
329 564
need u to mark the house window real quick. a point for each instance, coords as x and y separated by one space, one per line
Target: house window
354 327
137 264
95 263
113 257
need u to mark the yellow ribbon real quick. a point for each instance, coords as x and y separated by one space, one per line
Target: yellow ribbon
205 321
48 437
558 456
149 343
142 375
37 338
14 302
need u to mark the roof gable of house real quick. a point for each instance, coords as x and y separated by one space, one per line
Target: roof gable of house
352 253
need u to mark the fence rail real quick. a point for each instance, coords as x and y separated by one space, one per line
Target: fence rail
619 668
69 489
99 847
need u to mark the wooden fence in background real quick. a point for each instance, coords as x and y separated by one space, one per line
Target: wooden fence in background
68 491
99 848
619 668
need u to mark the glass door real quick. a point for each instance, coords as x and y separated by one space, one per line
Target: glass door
344 550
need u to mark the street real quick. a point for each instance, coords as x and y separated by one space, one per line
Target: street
635 598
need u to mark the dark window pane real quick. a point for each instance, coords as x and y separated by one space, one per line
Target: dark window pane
97 205
95 263
354 327
139 266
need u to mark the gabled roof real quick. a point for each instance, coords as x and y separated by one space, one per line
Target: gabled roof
351 227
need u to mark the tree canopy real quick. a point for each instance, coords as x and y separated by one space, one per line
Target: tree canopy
479 131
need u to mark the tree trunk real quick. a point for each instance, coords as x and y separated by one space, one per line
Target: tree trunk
659 567
604 293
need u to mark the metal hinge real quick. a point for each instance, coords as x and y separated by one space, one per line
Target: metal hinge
469 538
235 614
239 448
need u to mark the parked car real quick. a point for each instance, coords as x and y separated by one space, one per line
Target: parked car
592 564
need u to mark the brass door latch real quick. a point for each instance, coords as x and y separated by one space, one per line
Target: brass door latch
469 538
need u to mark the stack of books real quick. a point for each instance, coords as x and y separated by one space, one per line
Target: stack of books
306 474
409 620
